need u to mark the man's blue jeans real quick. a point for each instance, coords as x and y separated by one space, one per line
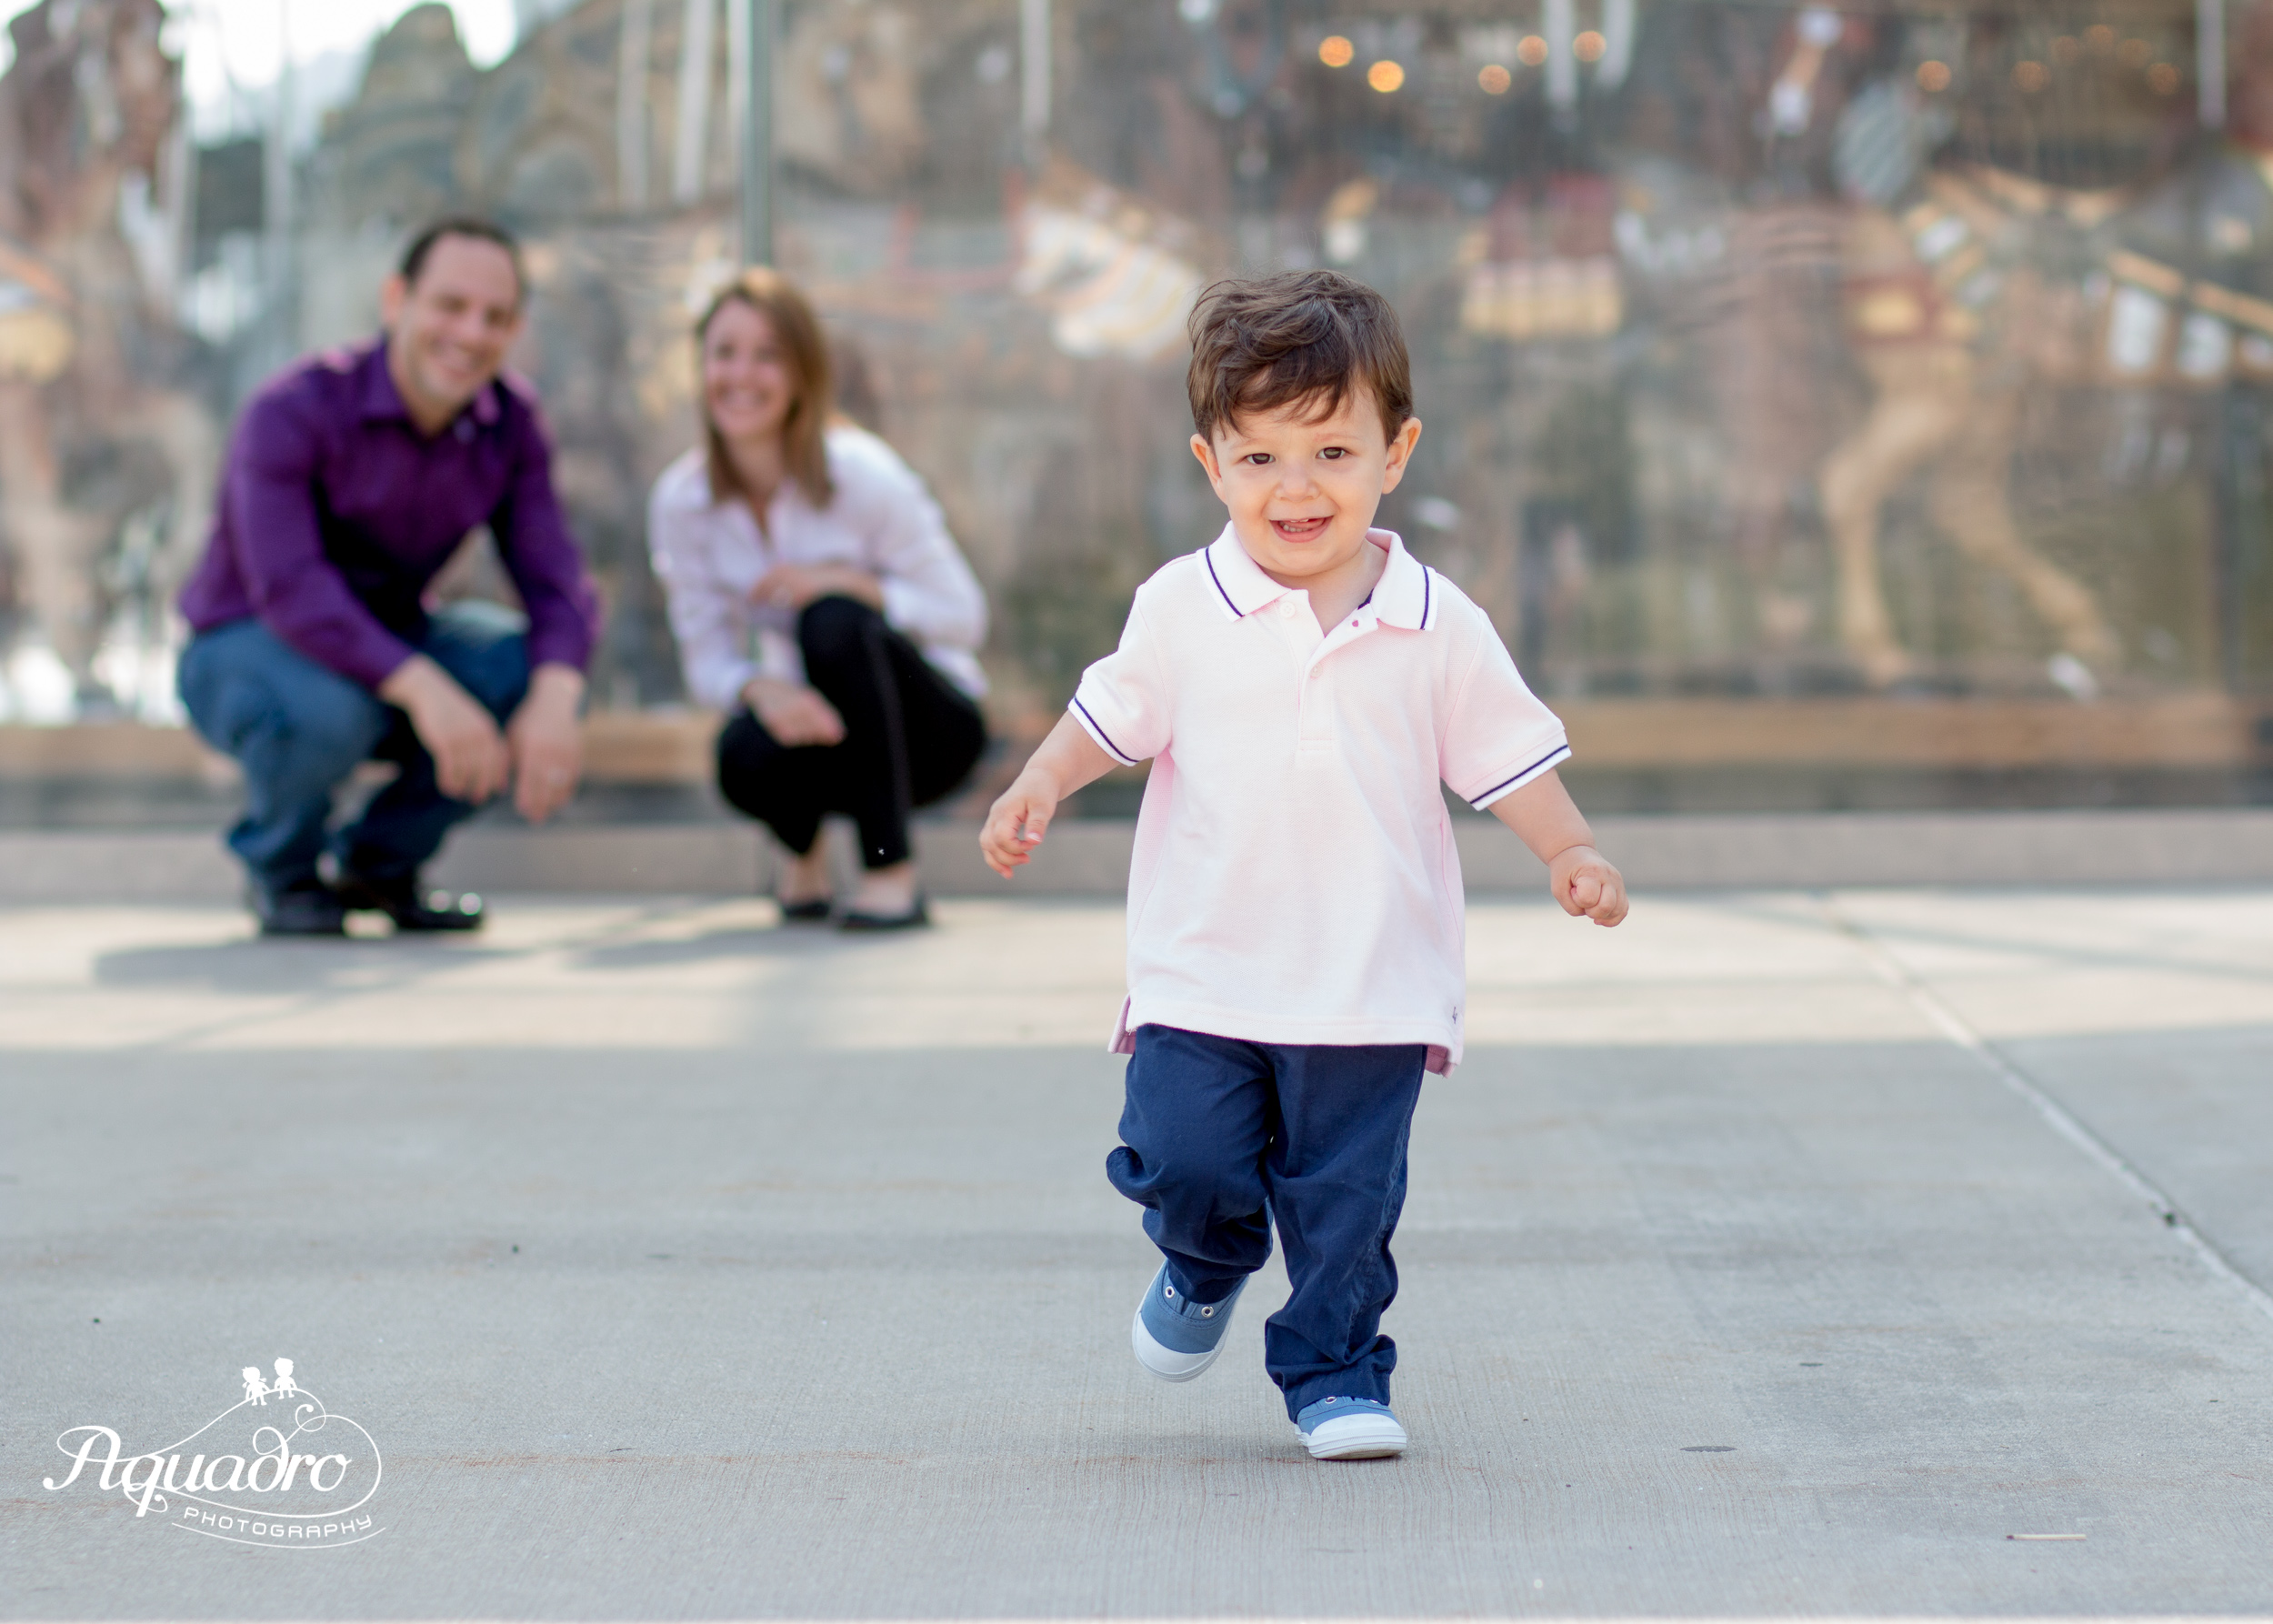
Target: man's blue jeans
1224 1139
298 729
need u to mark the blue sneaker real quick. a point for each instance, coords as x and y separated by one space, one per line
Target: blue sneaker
1349 1429
1175 1338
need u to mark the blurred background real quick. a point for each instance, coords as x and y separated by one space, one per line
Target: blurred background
1834 405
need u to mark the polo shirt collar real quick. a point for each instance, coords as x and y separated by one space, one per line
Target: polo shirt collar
382 400
1238 583
1405 596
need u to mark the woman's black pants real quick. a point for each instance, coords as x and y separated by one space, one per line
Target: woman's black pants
910 737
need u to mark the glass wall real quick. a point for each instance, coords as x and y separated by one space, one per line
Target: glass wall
1833 405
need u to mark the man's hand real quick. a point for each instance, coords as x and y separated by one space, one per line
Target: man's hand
793 585
470 761
545 740
1021 815
1587 886
793 713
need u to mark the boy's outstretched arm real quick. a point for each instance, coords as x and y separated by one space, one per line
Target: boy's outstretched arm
1549 821
1068 759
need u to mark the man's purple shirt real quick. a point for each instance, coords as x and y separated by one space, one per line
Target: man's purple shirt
335 512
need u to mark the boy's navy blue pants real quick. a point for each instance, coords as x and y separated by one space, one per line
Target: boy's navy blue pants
1222 1137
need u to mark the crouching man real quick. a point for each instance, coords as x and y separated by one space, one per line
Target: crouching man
351 480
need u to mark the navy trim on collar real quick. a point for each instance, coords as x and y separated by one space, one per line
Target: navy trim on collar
1398 598
1207 557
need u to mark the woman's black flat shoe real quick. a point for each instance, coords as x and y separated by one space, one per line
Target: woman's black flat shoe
915 916
810 911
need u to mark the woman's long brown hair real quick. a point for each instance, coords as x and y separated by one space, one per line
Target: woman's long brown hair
804 454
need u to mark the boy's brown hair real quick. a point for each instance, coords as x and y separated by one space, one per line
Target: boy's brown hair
1262 343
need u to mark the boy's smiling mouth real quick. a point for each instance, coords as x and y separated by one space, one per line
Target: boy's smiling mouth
1298 529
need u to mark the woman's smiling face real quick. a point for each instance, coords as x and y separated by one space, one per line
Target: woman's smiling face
1302 489
748 383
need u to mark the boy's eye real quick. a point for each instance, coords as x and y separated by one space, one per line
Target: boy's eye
1257 458
1335 453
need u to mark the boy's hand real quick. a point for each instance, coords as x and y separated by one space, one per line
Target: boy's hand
1586 884
1542 815
1068 759
1017 820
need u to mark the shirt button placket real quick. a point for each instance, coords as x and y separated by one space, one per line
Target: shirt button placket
1314 725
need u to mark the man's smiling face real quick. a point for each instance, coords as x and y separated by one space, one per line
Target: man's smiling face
448 331
1302 488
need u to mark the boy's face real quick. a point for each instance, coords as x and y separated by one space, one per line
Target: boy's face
1302 489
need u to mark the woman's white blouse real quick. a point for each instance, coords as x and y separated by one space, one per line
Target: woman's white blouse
708 555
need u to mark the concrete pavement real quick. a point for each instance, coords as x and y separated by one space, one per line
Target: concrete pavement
1089 856
682 1265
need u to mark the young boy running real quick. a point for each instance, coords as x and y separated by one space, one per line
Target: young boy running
1294 927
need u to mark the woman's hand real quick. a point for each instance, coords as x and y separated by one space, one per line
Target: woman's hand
793 713
793 585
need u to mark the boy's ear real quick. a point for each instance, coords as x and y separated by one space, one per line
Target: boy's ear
1400 453
1206 451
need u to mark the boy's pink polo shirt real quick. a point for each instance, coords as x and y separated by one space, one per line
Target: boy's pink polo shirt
1295 880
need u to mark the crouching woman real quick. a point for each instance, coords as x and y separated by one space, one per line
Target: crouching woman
818 599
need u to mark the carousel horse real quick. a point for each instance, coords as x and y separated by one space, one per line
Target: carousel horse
97 447
1953 308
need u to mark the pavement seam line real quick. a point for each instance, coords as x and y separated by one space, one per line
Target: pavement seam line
2062 1122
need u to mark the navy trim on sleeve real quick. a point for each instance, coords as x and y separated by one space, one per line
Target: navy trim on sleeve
1425 599
1124 758
1549 759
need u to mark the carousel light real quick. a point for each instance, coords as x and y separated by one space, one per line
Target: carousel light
2100 39
1337 52
1494 80
1386 77
2029 77
1589 47
1933 77
1532 51
2138 53
2162 78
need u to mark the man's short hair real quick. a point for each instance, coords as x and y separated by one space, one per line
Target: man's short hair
1267 342
470 226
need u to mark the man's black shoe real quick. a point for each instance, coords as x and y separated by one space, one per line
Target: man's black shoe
411 908
306 908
